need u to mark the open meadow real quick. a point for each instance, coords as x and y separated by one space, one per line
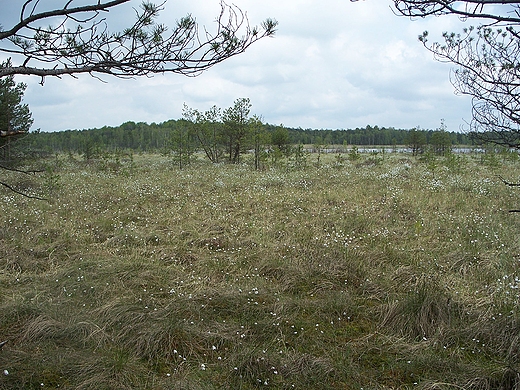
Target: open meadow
378 272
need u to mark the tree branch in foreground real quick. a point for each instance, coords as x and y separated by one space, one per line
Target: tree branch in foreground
79 41
510 185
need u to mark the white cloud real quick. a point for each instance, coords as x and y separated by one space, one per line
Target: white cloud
331 65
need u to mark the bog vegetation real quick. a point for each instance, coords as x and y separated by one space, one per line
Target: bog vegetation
362 271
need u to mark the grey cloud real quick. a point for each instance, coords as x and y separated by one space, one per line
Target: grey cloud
338 65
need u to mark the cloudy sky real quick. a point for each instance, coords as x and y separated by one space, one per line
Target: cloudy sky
332 64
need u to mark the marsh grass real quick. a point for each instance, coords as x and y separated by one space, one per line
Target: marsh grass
372 273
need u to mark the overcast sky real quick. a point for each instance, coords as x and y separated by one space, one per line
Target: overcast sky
333 64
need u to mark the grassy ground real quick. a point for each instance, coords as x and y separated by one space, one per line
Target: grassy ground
373 273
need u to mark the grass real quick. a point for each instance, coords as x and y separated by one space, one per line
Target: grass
370 273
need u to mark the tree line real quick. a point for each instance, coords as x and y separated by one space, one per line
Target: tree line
158 137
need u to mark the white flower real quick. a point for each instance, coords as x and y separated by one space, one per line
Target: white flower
6 372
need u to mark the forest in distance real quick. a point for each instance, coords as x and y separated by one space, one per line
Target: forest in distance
143 137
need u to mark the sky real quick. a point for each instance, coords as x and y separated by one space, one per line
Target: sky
332 64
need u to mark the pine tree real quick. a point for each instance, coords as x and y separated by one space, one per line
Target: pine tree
15 117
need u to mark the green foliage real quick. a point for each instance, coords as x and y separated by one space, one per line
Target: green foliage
235 120
354 154
227 132
430 159
182 143
416 140
319 147
375 159
440 141
15 117
51 182
490 159
91 151
340 160
299 157
455 163
116 162
280 139
259 140
509 155
208 130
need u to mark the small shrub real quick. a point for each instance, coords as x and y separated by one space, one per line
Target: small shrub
354 155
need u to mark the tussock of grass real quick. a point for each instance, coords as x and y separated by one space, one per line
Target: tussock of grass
393 273
424 312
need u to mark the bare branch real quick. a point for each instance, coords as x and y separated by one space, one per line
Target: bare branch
26 21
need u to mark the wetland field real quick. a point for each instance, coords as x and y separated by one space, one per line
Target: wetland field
382 271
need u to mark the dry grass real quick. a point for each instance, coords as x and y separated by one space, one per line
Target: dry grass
393 273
